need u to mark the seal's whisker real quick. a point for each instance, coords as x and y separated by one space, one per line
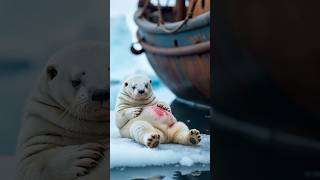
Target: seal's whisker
79 108
75 111
85 112
72 112
81 111
84 100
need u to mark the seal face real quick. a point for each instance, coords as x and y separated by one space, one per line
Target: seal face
77 81
65 125
140 116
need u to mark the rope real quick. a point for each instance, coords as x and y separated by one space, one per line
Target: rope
161 22
144 8
167 30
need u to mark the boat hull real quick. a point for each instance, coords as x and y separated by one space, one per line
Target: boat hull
181 59
185 70
195 31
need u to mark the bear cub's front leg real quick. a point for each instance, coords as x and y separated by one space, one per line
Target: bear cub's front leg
164 106
124 116
133 112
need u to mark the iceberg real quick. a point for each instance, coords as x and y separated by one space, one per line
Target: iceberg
122 61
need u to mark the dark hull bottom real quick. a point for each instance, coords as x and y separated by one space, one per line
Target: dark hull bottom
239 157
266 73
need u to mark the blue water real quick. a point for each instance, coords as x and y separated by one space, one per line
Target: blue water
195 172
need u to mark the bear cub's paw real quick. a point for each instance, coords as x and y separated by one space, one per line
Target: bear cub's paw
153 140
194 136
164 106
136 111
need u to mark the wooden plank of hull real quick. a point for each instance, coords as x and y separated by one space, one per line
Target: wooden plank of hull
202 6
187 76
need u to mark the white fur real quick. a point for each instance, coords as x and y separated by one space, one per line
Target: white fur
136 116
55 143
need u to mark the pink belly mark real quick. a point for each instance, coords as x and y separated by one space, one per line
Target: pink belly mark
161 112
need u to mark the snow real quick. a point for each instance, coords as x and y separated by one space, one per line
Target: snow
186 161
125 152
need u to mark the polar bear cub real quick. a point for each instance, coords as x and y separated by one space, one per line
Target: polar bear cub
140 116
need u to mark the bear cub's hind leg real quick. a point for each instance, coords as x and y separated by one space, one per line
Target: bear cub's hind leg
182 134
144 133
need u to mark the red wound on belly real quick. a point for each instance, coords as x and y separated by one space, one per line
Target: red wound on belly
161 112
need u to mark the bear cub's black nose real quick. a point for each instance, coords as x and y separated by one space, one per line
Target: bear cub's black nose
141 91
100 95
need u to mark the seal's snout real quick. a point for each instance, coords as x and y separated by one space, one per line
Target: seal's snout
100 95
141 91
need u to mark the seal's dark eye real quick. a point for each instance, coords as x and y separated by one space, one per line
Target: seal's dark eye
75 83
133 87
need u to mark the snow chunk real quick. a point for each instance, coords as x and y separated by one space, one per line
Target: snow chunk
127 153
186 161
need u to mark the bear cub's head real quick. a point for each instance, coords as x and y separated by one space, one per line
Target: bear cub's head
138 87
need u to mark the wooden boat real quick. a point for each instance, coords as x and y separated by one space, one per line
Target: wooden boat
176 47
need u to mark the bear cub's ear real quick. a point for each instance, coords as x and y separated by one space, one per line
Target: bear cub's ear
51 72
150 81
125 84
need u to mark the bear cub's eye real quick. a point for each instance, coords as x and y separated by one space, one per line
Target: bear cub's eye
75 83
133 87
146 86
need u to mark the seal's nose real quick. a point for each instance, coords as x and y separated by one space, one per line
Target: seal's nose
141 91
100 95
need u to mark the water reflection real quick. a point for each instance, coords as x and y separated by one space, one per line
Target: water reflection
151 178
168 172
178 175
194 175
193 117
